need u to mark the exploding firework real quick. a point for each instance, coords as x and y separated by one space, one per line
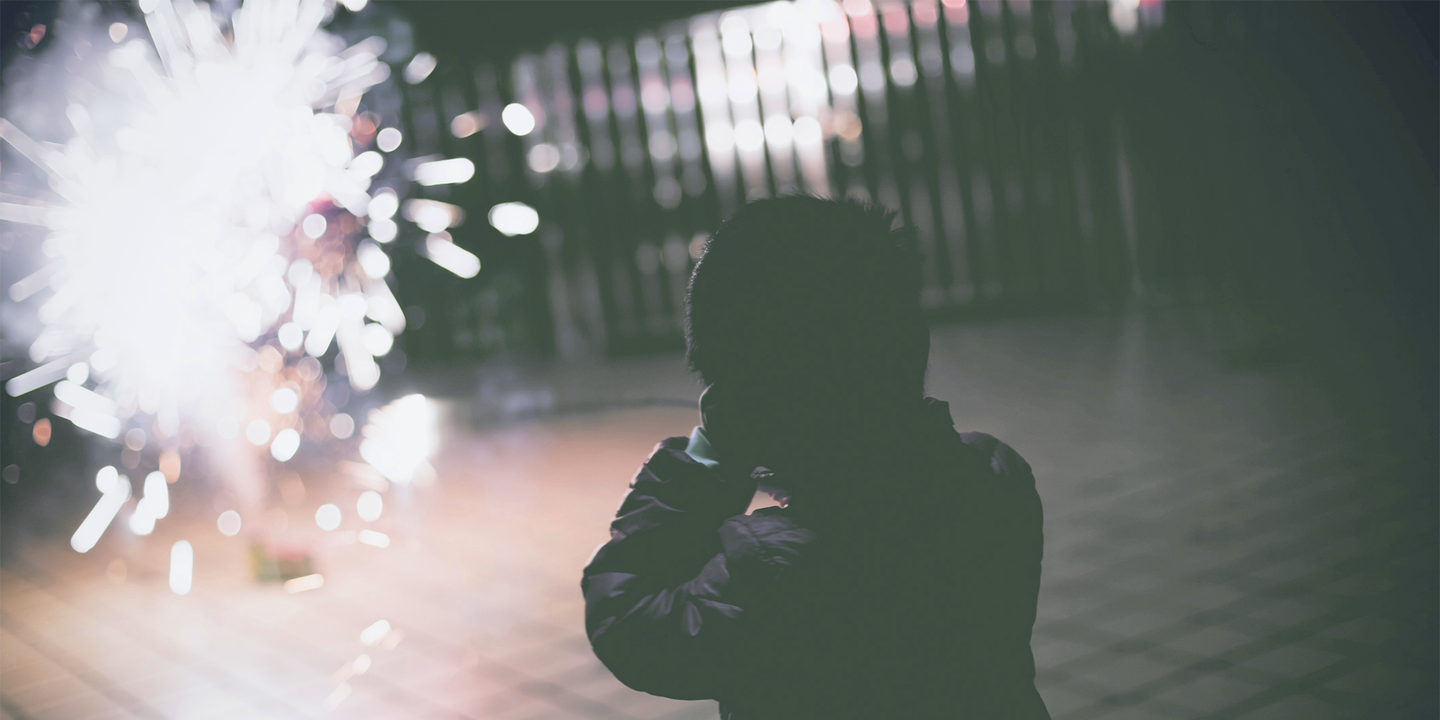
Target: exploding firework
211 232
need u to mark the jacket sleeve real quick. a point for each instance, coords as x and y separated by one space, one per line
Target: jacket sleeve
666 597
1013 526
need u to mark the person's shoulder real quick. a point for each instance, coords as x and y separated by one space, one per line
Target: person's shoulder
1000 461
668 459
983 456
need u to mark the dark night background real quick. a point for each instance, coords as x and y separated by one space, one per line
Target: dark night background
1282 161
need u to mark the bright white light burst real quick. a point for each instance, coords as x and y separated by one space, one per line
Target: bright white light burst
180 195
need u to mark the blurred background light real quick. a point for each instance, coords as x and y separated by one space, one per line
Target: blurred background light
543 158
518 119
342 426
778 131
400 438
514 218
749 135
182 567
373 260
304 583
369 506
388 139
445 253
141 522
419 68
106 478
327 517
375 632
100 516
314 225
291 337
378 340
284 400
367 164
432 215
466 124
286 442
383 229
157 495
229 523
444 172
1125 15
257 432
383 205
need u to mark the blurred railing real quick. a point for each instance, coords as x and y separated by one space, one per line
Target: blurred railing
992 127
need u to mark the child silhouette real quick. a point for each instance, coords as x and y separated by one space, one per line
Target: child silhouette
899 577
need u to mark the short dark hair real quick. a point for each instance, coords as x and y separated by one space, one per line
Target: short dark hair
802 294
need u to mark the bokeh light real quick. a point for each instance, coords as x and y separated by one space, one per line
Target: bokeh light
518 119
286 443
369 506
400 438
229 523
388 139
327 517
182 567
342 426
514 218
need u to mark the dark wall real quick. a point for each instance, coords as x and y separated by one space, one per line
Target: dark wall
1292 149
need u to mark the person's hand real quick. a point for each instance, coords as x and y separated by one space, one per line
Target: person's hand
729 431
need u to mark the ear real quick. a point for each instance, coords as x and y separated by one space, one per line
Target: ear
708 397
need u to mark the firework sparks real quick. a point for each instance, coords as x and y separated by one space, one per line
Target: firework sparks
169 255
400 439
205 236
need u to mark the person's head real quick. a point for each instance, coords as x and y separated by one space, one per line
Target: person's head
803 302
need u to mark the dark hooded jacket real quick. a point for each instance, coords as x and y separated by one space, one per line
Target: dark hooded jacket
910 594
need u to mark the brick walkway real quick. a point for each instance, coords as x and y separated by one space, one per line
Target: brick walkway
1218 545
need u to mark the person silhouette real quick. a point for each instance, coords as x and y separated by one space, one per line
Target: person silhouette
900 574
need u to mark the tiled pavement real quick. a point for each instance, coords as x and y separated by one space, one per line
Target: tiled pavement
1218 545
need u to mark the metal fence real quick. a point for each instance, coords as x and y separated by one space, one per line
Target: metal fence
990 126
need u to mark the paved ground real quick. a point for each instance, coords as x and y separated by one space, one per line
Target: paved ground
1219 544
